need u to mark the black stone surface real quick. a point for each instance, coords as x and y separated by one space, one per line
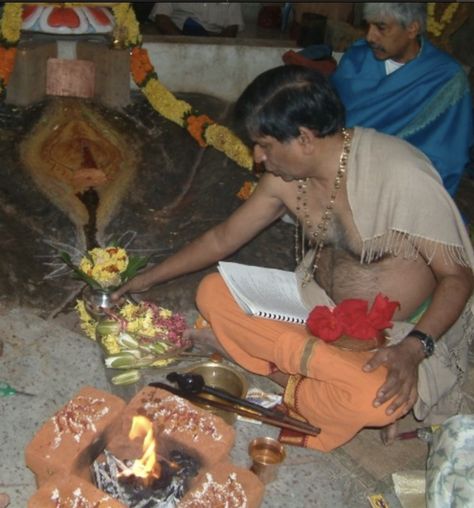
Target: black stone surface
180 191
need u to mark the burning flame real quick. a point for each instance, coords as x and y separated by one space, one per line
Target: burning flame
147 468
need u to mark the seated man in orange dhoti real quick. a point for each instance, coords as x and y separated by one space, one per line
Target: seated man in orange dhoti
376 219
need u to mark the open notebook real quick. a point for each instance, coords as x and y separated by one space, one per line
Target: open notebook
265 292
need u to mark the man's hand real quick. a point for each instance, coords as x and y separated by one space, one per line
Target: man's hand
138 284
402 363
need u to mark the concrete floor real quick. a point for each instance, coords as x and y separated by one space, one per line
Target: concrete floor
46 354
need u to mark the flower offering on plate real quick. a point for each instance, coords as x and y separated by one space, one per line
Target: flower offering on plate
106 268
136 335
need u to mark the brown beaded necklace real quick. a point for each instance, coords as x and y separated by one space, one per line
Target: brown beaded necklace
317 235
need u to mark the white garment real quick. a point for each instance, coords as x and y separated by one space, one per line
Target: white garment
212 16
392 66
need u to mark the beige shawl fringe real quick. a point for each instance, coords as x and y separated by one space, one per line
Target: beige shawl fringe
408 246
399 204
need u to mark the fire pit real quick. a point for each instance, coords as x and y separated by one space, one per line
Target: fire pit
157 451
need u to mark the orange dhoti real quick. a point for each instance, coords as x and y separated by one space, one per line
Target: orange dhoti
327 386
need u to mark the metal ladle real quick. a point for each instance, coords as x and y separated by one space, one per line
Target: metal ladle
194 384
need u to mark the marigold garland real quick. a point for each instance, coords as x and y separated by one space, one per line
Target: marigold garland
162 100
7 62
10 28
434 26
127 35
196 125
140 65
10 24
127 30
246 190
165 102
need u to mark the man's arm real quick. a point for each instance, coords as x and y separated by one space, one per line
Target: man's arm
229 31
260 210
454 287
165 25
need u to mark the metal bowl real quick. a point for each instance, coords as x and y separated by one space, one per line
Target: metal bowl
224 377
96 300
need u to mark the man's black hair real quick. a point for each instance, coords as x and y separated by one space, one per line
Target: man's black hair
281 100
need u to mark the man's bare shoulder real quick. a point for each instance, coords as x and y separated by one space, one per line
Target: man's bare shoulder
276 186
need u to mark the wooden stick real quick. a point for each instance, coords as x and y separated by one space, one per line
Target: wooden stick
303 427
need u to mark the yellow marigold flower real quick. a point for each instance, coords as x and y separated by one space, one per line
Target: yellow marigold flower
110 344
161 331
165 102
88 324
223 139
128 310
165 313
105 266
106 275
434 26
126 30
11 22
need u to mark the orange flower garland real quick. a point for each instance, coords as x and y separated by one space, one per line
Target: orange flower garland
7 62
127 35
246 190
140 65
218 136
196 126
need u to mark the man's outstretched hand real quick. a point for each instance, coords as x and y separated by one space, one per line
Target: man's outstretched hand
402 363
138 284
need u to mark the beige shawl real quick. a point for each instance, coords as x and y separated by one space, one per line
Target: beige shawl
394 192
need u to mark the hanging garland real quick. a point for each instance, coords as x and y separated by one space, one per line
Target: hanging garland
10 27
434 26
127 35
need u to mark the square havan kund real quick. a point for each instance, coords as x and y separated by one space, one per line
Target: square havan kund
95 425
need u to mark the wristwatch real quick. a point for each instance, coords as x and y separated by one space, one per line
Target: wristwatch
426 340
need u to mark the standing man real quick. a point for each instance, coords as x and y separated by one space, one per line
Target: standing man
397 82
367 232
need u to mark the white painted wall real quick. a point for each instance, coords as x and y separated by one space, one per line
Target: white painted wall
220 70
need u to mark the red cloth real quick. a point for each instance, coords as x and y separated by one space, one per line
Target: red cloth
325 66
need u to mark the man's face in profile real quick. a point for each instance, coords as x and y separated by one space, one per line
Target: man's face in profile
389 39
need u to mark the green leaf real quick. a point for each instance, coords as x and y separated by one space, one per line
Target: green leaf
126 378
135 263
78 272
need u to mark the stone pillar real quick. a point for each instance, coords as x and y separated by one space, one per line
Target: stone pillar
112 72
27 83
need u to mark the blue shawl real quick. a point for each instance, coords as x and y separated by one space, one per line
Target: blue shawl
427 102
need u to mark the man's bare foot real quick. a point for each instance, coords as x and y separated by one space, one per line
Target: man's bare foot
389 433
4 500
204 339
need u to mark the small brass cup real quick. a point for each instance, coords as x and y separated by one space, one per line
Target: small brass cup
267 454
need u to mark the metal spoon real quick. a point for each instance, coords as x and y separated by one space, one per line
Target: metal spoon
194 383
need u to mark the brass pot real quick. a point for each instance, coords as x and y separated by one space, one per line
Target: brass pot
224 377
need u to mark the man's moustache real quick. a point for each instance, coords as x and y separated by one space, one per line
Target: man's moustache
373 47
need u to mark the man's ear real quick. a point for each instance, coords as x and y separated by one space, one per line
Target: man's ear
414 29
306 138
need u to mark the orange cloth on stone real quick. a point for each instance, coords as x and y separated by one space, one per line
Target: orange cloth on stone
334 392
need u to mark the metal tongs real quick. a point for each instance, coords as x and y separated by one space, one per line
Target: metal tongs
191 385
